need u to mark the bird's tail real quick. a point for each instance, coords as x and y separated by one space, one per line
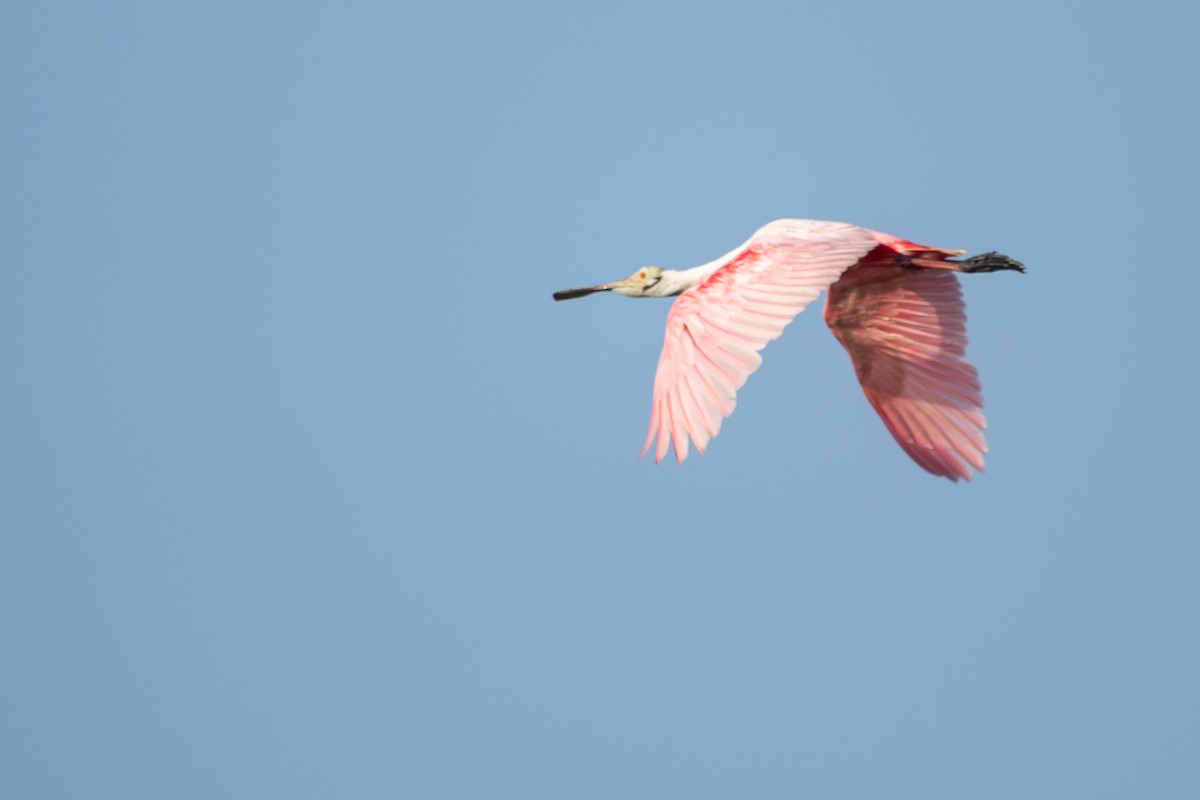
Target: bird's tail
909 254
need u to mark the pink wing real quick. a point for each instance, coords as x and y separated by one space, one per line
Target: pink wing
905 331
716 328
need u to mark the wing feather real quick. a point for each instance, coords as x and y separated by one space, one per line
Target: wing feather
716 329
905 331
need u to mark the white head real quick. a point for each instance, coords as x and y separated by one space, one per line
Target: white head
640 284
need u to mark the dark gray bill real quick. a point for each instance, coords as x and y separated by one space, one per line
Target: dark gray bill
571 294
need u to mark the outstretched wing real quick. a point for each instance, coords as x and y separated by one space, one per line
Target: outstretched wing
905 331
716 328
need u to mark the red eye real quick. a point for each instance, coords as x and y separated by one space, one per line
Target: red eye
642 274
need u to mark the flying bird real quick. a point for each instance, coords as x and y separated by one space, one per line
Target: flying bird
894 305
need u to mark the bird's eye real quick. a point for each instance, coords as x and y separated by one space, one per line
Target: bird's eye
642 274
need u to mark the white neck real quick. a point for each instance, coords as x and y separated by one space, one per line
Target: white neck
677 281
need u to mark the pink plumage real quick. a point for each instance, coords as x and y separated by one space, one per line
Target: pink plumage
894 305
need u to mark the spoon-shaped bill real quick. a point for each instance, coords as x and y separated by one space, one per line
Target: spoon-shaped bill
571 294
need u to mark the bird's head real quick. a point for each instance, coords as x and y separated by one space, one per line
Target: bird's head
639 284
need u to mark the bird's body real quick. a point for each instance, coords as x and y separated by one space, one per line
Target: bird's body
894 305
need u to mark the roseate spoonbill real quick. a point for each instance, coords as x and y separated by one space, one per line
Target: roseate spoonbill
894 305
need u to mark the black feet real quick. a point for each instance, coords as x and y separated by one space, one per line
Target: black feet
990 262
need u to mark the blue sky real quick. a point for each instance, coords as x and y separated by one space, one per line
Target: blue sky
310 490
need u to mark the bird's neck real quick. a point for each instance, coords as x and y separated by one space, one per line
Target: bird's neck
677 281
